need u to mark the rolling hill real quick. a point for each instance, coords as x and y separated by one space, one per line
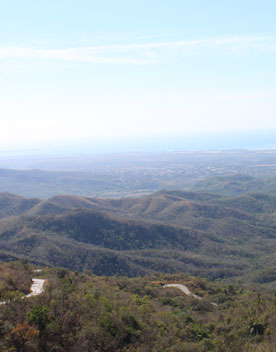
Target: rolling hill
236 185
169 231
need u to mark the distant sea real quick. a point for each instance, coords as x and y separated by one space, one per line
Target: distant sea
257 140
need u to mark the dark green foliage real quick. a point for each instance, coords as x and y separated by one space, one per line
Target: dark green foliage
38 316
256 328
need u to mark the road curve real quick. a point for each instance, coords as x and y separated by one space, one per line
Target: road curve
184 289
37 287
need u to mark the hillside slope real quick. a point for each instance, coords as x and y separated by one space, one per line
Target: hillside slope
79 311
203 234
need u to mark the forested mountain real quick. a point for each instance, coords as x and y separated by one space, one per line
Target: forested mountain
11 204
168 231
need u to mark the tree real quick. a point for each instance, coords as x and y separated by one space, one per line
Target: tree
23 336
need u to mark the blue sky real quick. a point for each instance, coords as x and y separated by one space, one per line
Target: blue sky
82 72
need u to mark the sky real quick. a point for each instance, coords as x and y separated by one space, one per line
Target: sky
90 74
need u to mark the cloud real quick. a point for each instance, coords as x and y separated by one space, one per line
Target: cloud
144 53
87 54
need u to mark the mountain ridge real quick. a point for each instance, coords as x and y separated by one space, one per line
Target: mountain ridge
170 231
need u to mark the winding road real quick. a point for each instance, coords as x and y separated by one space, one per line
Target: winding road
185 290
37 287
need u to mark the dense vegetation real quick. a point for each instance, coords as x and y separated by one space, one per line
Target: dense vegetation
198 233
84 312
15 280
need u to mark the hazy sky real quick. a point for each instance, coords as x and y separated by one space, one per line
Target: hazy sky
106 70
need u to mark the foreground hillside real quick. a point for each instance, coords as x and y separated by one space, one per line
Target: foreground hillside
83 312
199 233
